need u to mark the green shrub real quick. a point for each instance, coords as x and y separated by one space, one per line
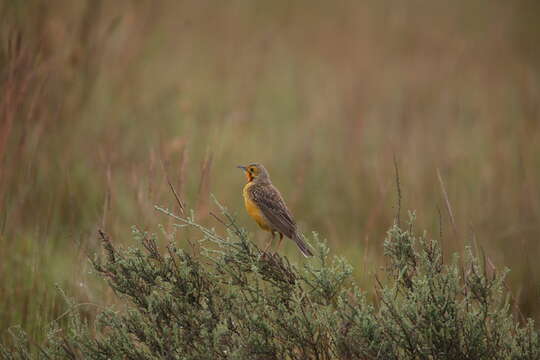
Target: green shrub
227 299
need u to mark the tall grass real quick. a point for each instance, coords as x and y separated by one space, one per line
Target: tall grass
101 101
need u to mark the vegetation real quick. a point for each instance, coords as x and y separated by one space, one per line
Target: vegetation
233 301
102 102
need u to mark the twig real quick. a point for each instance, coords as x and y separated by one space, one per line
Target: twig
107 244
440 230
204 187
398 186
219 219
447 202
173 190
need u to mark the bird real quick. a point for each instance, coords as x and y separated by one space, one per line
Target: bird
266 206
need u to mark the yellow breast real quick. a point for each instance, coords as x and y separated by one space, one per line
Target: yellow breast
253 210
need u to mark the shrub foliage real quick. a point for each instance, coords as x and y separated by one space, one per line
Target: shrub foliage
227 299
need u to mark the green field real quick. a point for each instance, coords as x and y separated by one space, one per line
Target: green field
100 101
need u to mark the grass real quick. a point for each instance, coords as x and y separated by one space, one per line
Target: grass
98 99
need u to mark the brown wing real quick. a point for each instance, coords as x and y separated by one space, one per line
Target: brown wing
269 200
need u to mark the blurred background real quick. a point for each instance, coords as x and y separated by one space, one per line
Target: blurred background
100 100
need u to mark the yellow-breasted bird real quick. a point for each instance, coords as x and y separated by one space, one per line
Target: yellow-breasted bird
266 206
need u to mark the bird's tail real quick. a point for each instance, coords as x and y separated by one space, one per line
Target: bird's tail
302 245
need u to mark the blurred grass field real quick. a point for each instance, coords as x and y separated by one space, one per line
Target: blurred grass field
100 100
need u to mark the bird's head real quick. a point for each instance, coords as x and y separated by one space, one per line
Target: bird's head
255 172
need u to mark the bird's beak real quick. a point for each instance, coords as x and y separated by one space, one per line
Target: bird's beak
242 167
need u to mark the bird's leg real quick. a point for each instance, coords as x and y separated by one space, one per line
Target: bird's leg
269 243
279 241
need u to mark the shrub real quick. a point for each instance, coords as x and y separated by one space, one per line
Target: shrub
230 300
